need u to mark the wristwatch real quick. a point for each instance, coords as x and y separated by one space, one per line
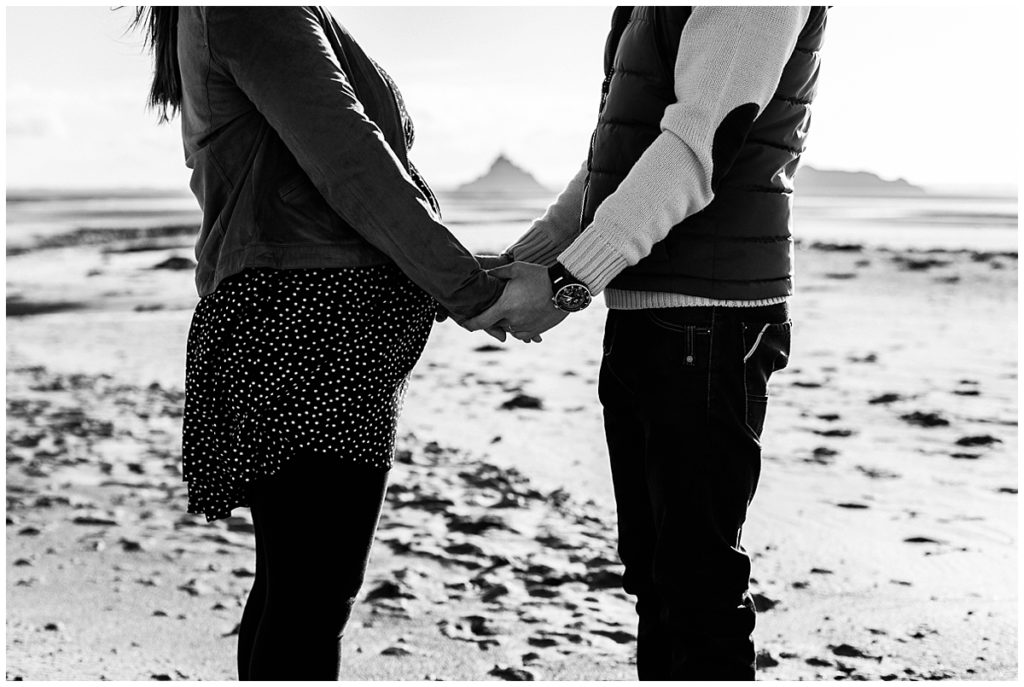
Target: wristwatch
569 293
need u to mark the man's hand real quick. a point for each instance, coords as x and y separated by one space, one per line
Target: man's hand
525 306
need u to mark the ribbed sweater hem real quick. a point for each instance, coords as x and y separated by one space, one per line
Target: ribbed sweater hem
620 299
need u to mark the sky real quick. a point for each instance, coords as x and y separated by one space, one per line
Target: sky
924 93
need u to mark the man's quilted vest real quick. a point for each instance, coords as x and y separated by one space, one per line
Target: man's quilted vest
739 247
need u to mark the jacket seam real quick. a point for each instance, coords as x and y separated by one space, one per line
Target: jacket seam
209 101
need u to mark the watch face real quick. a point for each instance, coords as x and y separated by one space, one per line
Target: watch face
572 298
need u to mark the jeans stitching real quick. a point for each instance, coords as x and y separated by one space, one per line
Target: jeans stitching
711 365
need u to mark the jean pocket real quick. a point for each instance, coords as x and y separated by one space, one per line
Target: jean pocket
766 349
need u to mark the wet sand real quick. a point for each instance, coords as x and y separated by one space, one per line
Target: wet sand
883 532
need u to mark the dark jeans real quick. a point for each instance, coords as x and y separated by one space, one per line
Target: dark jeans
684 392
315 521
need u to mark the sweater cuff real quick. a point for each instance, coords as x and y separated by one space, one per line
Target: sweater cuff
593 261
536 247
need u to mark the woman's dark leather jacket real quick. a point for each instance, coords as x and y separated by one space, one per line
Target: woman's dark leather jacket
297 144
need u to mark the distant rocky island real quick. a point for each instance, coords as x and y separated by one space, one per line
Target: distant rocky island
507 179
832 182
504 178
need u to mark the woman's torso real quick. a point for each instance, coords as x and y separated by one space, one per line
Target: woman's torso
260 208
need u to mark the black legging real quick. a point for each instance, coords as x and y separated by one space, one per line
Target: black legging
314 522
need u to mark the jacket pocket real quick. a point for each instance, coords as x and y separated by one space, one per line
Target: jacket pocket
766 349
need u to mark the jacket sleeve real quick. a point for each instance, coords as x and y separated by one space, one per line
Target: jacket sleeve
281 59
729 64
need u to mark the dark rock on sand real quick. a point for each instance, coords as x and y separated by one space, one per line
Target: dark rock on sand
920 419
836 247
918 264
175 262
396 651
764 603
978 440
922 540
620 636
523 401
470 524
877 473
389 590
849 651
464 549
495 592
765 659
886 398
509 673
834 432
488 348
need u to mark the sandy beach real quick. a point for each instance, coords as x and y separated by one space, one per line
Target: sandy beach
883 532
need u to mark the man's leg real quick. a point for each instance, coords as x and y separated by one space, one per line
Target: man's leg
689 372
627 441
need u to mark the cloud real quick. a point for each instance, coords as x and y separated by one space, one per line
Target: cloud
38 124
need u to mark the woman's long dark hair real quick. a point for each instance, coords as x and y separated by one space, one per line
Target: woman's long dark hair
161 27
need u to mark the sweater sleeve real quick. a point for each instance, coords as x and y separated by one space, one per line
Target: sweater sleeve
728 67
555 230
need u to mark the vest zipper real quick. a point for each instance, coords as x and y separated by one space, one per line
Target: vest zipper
593 140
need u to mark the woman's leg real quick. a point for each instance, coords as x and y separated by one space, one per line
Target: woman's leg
252 613
315 522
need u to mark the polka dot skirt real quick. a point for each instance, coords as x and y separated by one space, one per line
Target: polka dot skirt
308 364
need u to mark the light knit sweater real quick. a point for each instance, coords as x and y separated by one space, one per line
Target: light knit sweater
728 56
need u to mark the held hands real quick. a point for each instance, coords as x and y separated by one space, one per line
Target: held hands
525 309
